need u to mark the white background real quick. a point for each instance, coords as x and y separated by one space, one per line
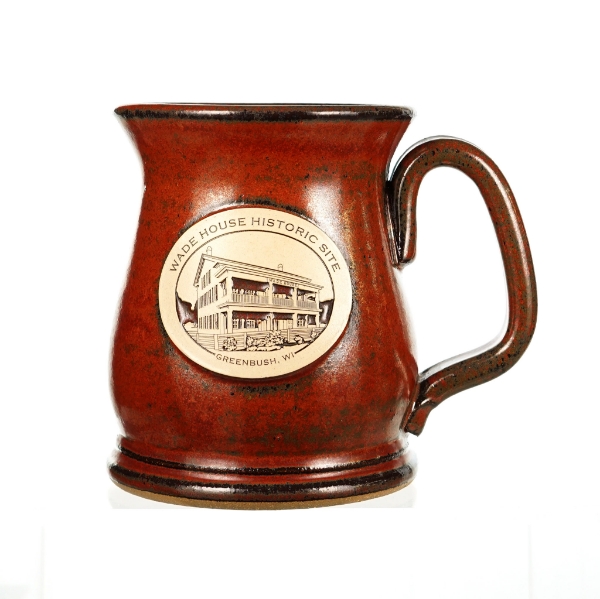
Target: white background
507 496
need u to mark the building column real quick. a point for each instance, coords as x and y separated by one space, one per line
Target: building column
198 306
270 293
295 320
229 321
295 296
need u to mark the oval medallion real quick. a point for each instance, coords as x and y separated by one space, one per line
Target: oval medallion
254 293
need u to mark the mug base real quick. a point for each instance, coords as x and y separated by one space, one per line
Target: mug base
258 505
290 490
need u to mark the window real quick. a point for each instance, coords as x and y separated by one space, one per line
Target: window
205 280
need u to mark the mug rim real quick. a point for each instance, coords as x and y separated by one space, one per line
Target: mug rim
265 112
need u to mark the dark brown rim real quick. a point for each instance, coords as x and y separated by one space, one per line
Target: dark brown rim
263 471
260 505
189 488
266 112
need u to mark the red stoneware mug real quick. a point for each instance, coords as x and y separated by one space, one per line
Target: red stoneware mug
252 365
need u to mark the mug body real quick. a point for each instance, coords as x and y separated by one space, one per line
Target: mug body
262 352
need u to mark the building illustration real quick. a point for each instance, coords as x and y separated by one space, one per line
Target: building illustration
247 307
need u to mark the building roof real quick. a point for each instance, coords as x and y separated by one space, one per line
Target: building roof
252 269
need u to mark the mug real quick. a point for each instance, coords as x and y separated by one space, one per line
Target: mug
262 355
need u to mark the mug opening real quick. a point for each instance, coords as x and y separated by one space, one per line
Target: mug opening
265 112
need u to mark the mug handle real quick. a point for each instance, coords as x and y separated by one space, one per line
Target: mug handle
485 363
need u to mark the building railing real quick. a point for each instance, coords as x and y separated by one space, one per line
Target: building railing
282 301
307 304
247 298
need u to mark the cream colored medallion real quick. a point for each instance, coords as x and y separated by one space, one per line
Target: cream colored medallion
254 293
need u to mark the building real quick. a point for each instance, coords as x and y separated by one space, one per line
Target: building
236 297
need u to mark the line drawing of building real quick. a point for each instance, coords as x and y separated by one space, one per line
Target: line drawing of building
240 299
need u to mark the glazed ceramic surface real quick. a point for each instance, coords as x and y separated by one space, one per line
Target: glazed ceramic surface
262 355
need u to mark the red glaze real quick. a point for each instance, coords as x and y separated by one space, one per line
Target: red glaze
332 430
